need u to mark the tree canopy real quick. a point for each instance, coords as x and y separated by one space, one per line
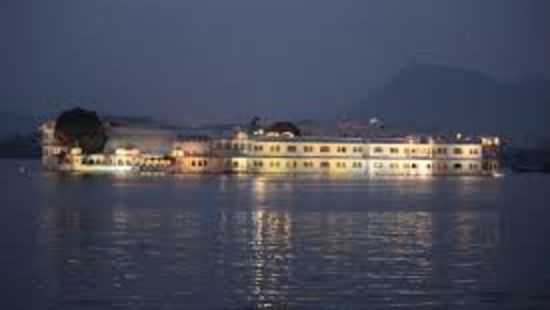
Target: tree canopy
82 128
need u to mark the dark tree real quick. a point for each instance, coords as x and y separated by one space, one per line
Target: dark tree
82 128
281 127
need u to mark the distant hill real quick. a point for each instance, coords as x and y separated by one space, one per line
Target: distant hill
17 123
426 96
20 146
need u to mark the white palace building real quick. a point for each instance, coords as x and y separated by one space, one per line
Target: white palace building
280 148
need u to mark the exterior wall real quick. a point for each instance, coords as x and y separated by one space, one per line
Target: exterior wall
306 165
200 164
297 156
340 156
260 154
490 165
404 167
399 150
149 140
457 167
52 151
307 149
237 165
457 151
121 161
193 147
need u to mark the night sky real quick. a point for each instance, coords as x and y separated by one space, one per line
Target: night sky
229 59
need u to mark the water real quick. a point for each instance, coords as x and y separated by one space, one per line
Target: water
230 242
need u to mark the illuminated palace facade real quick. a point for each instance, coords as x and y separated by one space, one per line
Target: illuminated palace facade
284 150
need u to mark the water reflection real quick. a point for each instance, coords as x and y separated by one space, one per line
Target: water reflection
286 248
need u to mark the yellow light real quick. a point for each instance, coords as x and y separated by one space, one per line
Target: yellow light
76 151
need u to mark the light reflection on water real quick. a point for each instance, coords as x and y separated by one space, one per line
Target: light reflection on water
261 258
243 243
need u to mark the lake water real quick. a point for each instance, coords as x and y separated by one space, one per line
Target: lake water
245 242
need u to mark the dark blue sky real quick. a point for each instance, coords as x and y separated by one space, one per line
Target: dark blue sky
224 59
